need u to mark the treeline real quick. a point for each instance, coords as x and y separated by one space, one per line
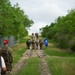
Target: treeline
62 31
13 20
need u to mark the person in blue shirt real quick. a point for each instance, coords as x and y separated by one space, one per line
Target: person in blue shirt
45 42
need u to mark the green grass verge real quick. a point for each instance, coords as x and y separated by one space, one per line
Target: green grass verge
19 49
31 67
17 55
52 50
61 65
60 62
58 52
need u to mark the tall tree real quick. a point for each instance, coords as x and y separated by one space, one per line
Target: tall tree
13 20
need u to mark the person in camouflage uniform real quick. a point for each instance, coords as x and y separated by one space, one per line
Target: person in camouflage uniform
41 44
8 57
33 44
32 36
33 41
36 40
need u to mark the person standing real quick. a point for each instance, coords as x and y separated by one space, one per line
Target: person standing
33 44
41 44
32 36
2 64
28 43
8 57
36 40
33 41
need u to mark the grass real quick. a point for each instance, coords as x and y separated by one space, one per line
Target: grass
31 67
58 52
60 62
61 65
52 50
18 50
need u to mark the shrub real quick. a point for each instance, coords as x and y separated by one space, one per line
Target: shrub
72 44
63 42
73 47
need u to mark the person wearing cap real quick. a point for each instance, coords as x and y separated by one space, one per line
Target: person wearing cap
8 57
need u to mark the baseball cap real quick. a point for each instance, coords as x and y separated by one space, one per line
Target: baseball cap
5 41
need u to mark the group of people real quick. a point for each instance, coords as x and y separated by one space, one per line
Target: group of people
6 59
34 42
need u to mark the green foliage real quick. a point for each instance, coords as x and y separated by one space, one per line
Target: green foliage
23 40
63 42
72 45
13 21
63 30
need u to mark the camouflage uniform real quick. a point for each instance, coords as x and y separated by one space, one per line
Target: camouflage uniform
7 55
36 40
33 41
32 37
40 43
36 44
33 44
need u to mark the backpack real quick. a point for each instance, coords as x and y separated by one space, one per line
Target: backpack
28 41
5 54
7 57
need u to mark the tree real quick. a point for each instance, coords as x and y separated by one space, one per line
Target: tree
63 30
13 21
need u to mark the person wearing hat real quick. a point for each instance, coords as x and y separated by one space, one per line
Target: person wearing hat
8 57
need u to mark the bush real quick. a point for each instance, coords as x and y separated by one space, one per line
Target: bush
72 44
73 47
63 42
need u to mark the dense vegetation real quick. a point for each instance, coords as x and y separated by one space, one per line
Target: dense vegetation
62 31
13 21
60 61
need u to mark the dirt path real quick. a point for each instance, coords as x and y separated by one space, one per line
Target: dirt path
33 53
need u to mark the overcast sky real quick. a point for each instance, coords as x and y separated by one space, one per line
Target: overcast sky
43 12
